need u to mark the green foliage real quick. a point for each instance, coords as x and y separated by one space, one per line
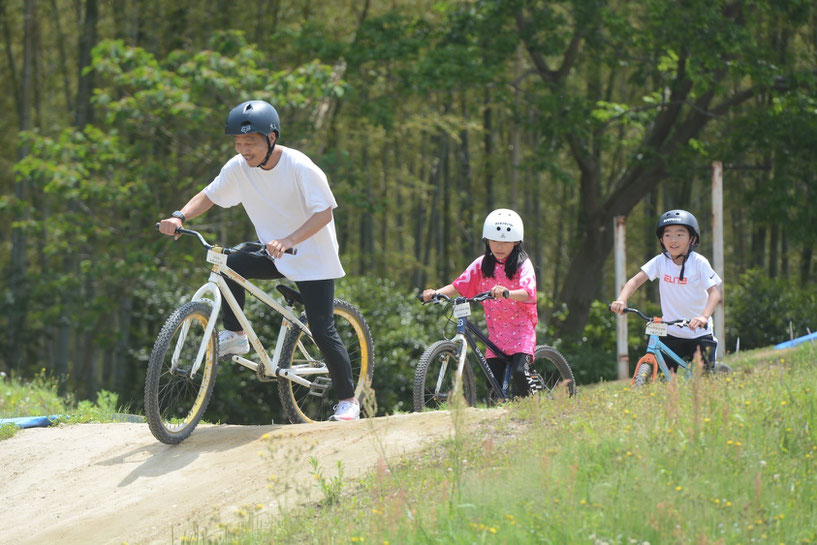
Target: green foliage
331 487
729 459
39 397
35 397
760 309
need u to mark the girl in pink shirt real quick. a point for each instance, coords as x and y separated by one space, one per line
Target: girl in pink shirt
511 320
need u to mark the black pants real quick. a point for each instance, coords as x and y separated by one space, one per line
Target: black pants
520 373
686 348
318 296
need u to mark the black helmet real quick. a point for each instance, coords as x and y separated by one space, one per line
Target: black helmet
679 217
253 116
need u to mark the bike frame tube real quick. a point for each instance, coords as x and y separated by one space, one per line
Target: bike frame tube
217 286
465 328
658 349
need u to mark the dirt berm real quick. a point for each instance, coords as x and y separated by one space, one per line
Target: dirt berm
95 484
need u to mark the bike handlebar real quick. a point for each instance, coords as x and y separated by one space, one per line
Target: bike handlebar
191 232
680 323
442 298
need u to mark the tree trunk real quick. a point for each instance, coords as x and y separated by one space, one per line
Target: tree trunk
399 188
69 103
805 263
651 248
774 240
419 222
366 248
19 241
87 41
488 145
383 263
465 218
12 65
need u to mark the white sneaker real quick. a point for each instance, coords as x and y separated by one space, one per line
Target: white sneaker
230 342
346 410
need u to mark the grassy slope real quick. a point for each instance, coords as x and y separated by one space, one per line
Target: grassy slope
709 461
39 397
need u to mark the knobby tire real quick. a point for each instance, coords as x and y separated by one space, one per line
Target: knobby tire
175 401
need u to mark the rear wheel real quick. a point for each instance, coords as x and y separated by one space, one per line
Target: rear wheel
175 396
435 376
721 369
316 403
550 372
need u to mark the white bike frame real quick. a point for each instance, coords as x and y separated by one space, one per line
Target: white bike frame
217 287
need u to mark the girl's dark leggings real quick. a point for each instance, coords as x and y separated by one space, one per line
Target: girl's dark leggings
520 373
318 296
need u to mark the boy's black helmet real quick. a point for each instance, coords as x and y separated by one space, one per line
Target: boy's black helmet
679 217
253 116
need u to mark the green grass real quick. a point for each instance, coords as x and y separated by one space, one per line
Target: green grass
39 397
712 461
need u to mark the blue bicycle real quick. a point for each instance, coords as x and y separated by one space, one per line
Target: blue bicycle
443 368
646 370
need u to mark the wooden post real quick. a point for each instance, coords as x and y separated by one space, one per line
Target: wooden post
620 229
717 250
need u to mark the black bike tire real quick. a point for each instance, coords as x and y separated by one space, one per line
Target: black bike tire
289 398
154 404
643 376
555 357
430 355
721 369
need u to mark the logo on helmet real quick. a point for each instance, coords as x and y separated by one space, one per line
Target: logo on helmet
245 129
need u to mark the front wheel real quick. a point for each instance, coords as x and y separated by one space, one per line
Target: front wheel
550 373
435 376
176 396
643 376
315 403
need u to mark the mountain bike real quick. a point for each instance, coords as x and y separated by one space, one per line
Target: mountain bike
443 368
184 361
646 370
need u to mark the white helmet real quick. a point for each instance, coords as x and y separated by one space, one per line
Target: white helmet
503 225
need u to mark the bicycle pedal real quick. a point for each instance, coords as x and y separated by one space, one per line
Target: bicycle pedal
320 386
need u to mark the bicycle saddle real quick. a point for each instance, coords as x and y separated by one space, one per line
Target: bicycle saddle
292 296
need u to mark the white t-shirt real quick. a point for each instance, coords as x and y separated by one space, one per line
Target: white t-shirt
683 299
278 202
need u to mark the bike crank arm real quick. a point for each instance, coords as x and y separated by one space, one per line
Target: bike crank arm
278 372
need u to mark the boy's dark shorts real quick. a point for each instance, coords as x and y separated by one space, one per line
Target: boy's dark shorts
686 348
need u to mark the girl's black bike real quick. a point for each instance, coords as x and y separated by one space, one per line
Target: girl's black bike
444 368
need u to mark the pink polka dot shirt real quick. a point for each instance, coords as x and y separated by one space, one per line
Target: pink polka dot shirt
511 324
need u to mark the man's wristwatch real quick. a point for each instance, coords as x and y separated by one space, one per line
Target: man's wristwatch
178 214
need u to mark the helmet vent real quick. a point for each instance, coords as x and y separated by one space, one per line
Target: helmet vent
248 107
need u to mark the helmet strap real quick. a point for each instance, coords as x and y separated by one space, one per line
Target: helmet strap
683 263
270 147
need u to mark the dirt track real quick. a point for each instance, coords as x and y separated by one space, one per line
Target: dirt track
114 483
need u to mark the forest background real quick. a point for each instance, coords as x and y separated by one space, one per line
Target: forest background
425 115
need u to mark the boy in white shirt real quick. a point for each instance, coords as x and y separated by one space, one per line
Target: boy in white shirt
688 287
289 202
